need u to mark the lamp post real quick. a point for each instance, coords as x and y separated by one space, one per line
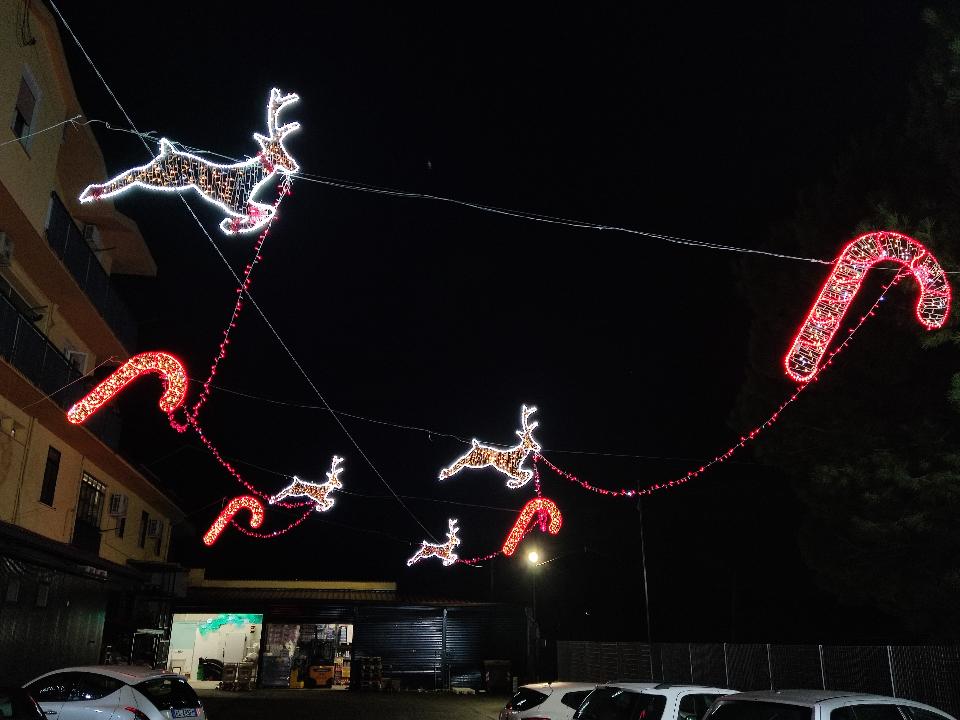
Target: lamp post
533 559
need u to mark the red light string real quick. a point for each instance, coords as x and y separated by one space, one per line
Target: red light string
744 439
482 558
284 190
275 533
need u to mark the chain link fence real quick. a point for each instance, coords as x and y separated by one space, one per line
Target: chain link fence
925 673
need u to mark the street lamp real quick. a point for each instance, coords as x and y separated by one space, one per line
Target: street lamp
533 560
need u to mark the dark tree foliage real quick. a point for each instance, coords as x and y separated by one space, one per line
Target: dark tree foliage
873 448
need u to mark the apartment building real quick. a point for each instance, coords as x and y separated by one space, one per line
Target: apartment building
84 535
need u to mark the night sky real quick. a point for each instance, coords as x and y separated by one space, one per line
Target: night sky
704 124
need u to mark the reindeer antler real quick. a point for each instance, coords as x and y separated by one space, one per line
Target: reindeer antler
335 468
525 414
452 524
274 106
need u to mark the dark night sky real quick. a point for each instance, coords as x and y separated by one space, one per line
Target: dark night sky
705 124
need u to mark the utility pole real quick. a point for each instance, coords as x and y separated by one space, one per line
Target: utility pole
646 590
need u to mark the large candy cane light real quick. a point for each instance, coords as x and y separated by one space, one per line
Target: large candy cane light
812 340
540 510
167 366
244 502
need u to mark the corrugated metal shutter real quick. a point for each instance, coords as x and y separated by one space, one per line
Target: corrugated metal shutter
475 634
65 630
408 640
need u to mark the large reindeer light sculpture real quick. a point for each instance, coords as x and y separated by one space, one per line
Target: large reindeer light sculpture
231 187
508 461
319 492
445 552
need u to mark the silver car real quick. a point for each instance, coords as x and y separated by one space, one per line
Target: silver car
546 701
819 705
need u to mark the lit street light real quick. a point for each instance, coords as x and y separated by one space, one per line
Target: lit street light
533 559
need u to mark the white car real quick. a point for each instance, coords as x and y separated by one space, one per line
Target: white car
820 705
649 701
115 692
546 701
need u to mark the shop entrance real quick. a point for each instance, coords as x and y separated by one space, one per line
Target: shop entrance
215 649
307 655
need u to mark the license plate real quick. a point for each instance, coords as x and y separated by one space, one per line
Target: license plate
183 712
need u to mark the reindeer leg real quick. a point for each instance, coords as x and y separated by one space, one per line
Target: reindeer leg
258 215
102 191
517 482
455 468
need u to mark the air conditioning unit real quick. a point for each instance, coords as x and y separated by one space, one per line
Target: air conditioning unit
91 233
6 250
154 528
77 359
118 505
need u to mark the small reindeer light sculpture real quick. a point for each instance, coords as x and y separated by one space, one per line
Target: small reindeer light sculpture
319 492
508 461
444 552
230 187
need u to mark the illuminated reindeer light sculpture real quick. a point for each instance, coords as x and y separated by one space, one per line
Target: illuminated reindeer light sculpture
445 552
230 187
508 461
319 492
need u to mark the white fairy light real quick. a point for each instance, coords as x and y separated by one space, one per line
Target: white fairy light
230 187
509 461
318 492
445 551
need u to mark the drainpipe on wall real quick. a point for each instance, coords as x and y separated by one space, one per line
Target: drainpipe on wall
23 470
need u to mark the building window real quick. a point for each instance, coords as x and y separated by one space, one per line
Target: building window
50 473
121 526
24 112
156 548
90 504
13 590
144 521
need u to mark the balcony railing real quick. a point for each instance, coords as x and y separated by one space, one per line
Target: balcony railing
68 243
43 364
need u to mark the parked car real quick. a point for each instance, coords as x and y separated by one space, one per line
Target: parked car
820 705
649 701
120 692
16 704
546 701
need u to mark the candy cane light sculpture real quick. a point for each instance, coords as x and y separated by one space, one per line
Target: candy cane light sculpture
851 266
247 502
540 510
167 366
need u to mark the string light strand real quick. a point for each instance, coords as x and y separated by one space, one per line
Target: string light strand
744 439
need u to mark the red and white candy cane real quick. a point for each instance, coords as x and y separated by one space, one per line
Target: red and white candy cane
850 267
167 366
541 510
247 502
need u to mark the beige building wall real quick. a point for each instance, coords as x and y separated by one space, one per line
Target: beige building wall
62 159
34 167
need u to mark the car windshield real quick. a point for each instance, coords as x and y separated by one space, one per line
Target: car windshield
749 710
613 703
169 692
525 698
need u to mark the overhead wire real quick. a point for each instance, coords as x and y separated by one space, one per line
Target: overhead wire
249 295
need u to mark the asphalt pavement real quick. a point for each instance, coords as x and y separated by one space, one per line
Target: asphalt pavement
347 705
